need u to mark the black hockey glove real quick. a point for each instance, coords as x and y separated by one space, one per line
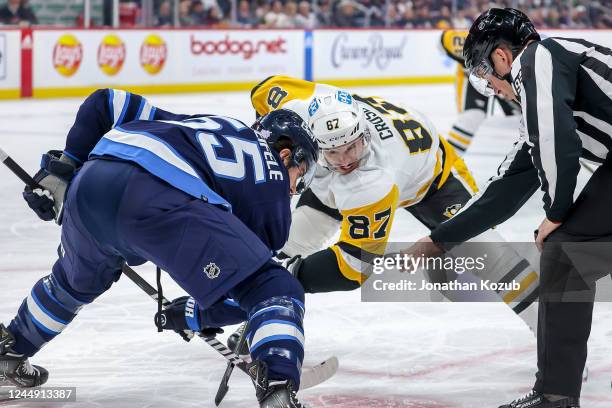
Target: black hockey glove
57 170
183 316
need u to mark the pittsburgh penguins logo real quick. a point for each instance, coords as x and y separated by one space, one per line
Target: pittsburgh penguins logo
452 210
276 96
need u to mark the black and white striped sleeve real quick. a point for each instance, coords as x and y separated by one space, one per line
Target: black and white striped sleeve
504 194
546 81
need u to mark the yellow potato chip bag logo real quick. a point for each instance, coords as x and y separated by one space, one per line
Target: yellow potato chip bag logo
153 54
67 55
111 54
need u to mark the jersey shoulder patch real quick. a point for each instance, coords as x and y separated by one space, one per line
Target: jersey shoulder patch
273 92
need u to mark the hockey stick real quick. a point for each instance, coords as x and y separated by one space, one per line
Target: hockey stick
310 377
18 170
224 385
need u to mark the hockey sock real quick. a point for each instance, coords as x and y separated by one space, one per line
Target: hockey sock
276 336
275 303
43 315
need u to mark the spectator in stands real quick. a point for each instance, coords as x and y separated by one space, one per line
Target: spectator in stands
443 20
185 17
225 7
198 13
346 14
324 14
305 18
15 12
580 19
215 19
245 17
262 9
422 17
460 20
276 18
291 10
375 12
309 14
408 19
164 15
393 18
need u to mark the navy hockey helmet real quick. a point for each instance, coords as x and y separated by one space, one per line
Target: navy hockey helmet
283 128
491 29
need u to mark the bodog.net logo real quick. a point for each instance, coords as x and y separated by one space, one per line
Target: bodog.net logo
245 48
67 55
153 54
111 54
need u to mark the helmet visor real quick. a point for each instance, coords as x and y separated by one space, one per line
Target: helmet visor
482 69
347 157
482 85
307 165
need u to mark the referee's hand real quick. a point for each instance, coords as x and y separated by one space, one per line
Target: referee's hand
544 230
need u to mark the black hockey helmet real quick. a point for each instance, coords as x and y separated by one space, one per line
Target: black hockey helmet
492 28
283 128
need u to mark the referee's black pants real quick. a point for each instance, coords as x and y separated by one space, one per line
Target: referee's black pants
575 256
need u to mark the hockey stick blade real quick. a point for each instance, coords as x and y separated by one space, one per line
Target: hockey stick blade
320 373
224 384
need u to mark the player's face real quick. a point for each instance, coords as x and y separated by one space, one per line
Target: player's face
501 87
345 159
300 175
295 175
502 65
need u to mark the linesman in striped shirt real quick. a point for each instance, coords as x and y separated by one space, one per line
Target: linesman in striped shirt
564 87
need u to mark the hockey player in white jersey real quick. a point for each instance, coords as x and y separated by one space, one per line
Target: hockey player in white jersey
376 157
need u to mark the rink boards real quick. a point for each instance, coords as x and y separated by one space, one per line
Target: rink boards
72 62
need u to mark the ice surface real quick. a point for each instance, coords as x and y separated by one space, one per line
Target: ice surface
417 355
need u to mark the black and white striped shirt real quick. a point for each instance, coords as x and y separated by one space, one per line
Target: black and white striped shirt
565 89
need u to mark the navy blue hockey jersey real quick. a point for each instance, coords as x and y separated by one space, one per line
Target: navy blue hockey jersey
215 158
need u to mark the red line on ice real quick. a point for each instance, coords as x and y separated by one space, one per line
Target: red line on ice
387 401
472 360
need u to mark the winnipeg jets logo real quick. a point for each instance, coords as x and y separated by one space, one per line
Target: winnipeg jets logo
212 270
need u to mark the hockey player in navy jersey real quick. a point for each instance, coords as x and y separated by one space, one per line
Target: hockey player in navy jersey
204 197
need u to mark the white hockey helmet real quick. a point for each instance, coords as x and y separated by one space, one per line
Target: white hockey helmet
336 120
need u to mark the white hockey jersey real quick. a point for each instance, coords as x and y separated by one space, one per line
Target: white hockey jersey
407 156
